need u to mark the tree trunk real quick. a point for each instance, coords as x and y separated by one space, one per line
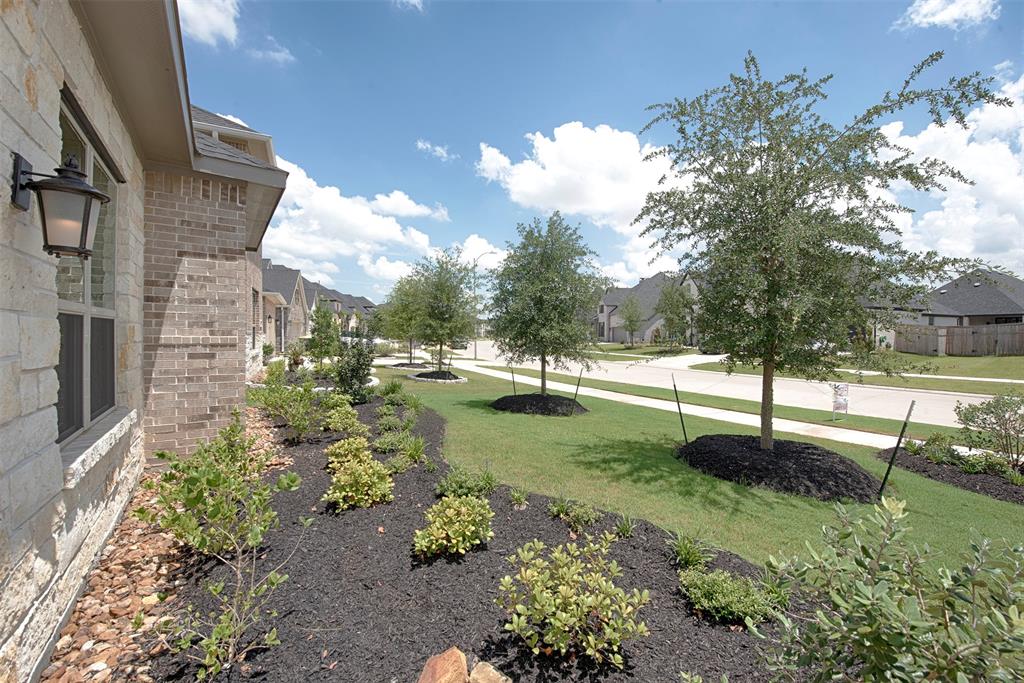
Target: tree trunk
543 375
767 404
410 350
440 356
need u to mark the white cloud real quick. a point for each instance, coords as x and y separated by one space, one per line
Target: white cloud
410 4
954 14
598 173
317 224
398 203
210 21
479 250
439 151
231 117
984 220
274 52
383 268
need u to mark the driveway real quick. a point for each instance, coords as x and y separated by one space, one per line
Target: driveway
933 407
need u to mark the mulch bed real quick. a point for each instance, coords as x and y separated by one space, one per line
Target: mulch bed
358 606
536 404
438 374
990 485
413 366
324 379
796 467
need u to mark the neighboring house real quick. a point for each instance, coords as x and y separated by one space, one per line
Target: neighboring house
978 298
284 297
143 346
353 311
647 292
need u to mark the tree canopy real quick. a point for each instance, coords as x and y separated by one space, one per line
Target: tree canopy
632 316
791 220
677 307
544 293
398 316
325 335
444 303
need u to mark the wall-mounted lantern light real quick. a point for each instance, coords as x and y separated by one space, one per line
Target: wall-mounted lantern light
69 206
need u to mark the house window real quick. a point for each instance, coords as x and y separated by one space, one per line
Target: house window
255 315
601 309
1009 319
85 294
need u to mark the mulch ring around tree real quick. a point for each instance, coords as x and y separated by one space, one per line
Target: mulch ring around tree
796 467
986 484
410 366
537 404
438 376
357 605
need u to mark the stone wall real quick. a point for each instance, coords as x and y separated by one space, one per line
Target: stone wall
196 310
57 503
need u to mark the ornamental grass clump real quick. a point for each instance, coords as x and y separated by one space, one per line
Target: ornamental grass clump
455 524
462 482
721 597
565 600
689 552
885 612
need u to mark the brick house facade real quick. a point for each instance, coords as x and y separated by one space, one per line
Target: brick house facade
146 344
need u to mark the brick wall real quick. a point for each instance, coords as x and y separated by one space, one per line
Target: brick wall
196 308
57 503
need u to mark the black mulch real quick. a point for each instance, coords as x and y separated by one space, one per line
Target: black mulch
357 607
535 404
438 374
805 469
986 484
415 366
319 379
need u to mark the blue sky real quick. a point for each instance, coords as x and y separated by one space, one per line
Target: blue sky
482 115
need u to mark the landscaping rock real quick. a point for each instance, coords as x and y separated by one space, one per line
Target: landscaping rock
447 667
796 467
485 673
536 404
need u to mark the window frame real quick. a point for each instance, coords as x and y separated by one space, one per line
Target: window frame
86 309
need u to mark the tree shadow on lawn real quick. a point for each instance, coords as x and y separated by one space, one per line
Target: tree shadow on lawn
650 461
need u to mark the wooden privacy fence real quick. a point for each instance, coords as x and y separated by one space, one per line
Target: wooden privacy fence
973 340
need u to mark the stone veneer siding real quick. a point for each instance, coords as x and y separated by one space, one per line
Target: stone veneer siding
196 307
57 503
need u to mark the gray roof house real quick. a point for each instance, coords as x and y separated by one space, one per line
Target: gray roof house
978 298
351 309
647 292
284 303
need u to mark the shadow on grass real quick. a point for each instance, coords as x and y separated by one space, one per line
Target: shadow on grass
651 463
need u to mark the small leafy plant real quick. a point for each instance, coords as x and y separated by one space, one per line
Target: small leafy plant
624 527
352 370
359 482
298 409
345 419
347 450
462 482
294 353
576 515
689 552
724 598
268 352
455 524
885 612
389 423
518 496
565 600
391 442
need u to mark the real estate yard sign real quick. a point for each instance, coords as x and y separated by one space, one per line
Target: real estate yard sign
840 399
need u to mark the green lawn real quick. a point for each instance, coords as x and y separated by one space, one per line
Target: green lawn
933 384
998 367
645 349
824 417
620 458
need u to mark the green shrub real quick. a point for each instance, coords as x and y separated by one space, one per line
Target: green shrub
462 482
624 527
389 423
566 599
519 497
217 501
454 525
359 482
413 405
414 449
1014 477
391 441
886 611
346 450
688 552
997 425
345 419
576 515
385 410
268 351
294 353
332 400
938 448
352 370
298 409
724 598
982 462
392 387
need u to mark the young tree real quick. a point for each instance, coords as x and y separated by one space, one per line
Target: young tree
445 303
788 217
544 292
325 336
676 306
632 317
398 317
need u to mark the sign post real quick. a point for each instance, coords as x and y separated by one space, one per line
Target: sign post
899 441
679 408
840 399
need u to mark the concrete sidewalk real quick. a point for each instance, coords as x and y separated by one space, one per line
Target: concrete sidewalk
746 419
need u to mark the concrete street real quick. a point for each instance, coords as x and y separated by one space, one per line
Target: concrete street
933 407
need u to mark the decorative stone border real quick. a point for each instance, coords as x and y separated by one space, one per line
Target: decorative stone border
460 380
